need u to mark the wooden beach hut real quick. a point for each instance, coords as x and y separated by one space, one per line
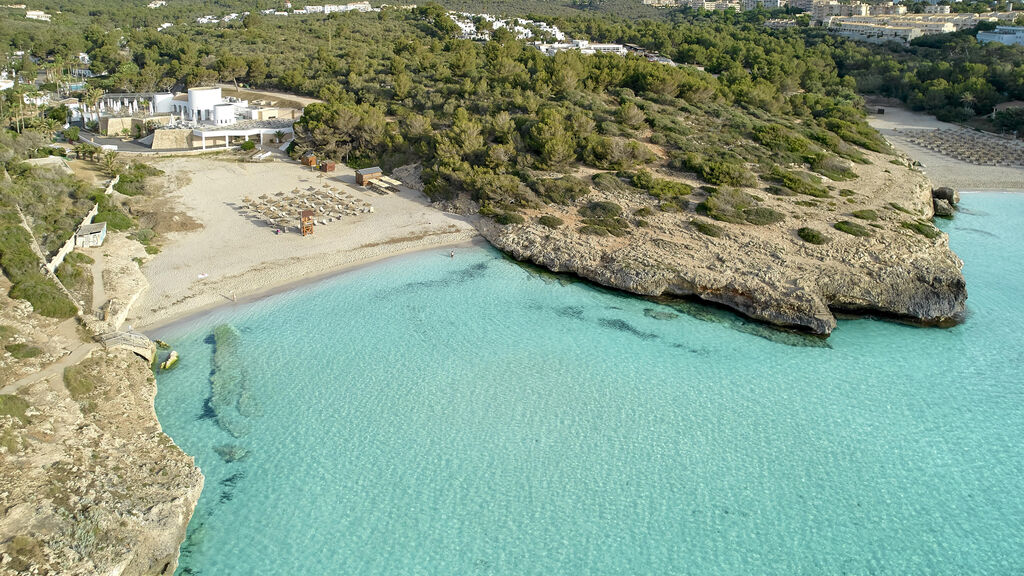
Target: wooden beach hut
365 175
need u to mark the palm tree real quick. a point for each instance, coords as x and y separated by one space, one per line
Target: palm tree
48 126
109 163
92 99
968 100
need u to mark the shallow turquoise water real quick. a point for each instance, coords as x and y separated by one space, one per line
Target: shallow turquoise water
429 415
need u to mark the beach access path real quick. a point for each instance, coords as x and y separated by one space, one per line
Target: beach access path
233 257
942 170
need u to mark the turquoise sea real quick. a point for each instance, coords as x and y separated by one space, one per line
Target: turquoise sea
430 415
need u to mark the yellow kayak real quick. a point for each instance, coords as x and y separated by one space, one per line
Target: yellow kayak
170 362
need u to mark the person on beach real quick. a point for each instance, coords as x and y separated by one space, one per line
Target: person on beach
452 254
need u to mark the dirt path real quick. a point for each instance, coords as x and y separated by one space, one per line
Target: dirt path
55 369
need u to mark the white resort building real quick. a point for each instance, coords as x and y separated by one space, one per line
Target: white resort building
199 118
584 46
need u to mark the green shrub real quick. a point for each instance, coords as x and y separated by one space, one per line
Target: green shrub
594 230
851 228
79 380
564 190
77 258
46 298
14 406
247 146
673 205
813 236
727 205
550 221
847 192
806 184
152 249
22 351
115 219
132 178
923 228
762 216
780 191
600 210
707 228
720 171
506 218
869 215
834 168
608 182
614 226
643 212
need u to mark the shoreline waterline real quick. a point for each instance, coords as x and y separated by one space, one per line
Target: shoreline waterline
192 314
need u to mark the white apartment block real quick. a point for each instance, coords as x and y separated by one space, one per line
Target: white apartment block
825 9
1011 35
936 9
584 46
746 5
37 15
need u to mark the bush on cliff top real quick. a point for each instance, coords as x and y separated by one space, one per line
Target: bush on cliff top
813 236
550 221
852 228
923 228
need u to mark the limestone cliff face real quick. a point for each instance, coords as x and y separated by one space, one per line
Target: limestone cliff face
768 272
90 484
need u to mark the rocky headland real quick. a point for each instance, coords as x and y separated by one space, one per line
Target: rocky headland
864 245
89 483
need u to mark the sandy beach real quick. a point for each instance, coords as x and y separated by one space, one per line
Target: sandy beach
232 257
942 170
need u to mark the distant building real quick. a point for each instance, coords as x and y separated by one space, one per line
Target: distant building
936 9
91 235
779 24
584 46
156 4
37 15
823 10
887 9
747 5
1011 35
662 3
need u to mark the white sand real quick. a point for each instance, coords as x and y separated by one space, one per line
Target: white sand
942 170
242 258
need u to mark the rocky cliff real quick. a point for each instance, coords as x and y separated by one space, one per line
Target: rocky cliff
89 484
893 264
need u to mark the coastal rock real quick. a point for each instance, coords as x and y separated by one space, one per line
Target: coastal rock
946 193
91 483
943 209
767 272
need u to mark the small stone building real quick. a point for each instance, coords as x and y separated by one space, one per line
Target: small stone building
90 235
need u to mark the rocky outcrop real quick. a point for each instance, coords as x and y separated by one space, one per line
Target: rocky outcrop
944 201
769 273
90 484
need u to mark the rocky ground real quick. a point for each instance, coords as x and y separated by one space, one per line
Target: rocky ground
767 272
89 484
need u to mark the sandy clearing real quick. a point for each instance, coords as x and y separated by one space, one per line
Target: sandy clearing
241 258
942 170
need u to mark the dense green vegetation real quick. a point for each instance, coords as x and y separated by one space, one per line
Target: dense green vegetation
491 121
